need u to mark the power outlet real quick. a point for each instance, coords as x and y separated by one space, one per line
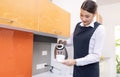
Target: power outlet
40 66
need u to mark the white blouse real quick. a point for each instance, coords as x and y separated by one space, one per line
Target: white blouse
95 46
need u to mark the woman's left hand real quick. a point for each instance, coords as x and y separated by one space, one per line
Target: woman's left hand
69 62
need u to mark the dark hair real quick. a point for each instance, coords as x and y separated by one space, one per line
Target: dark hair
89 6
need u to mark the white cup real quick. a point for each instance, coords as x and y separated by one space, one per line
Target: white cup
60 58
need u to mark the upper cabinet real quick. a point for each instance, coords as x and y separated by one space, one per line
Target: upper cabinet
37 15
99 18
53 19
19 13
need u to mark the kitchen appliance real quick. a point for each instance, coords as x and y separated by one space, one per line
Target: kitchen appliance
60 52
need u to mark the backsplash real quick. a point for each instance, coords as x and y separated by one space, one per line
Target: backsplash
41 54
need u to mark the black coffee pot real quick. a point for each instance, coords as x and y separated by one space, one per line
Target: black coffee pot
60 49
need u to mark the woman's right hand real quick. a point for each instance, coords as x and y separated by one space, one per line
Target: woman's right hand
69 62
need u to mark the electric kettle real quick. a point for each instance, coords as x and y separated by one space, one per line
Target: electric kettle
60 52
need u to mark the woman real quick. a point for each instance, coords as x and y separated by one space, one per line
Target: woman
88 40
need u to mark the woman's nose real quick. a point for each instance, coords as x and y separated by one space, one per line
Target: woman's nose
83 19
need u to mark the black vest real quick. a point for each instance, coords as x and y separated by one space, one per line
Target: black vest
81 40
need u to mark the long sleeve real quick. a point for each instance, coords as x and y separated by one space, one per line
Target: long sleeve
95 48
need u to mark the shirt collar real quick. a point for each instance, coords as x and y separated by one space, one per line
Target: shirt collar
90 25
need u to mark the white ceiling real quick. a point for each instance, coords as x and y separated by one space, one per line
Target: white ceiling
107 2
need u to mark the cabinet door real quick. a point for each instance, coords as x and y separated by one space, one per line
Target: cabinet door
53 19
15 53
19 13
62 22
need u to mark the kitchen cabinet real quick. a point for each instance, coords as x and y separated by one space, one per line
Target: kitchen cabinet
36 15
53 19
99 18
16 49
19 13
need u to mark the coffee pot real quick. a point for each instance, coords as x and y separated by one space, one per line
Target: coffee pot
60 52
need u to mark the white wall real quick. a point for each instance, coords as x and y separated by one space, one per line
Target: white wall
111 18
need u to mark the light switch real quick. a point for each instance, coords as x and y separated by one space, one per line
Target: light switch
44 53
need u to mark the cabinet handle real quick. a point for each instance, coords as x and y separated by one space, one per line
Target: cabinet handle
8 20
54 31
57 32
60 33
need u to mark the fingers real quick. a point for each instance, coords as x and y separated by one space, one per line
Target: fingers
62 42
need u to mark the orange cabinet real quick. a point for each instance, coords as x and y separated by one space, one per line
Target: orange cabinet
53 19
19 13
37 15
16 48
99 18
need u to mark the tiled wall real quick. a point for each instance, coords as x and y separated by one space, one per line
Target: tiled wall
41 56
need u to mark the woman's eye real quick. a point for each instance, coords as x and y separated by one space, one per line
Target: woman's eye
87 16
81 15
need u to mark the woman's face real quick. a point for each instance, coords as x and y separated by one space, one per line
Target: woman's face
86 17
